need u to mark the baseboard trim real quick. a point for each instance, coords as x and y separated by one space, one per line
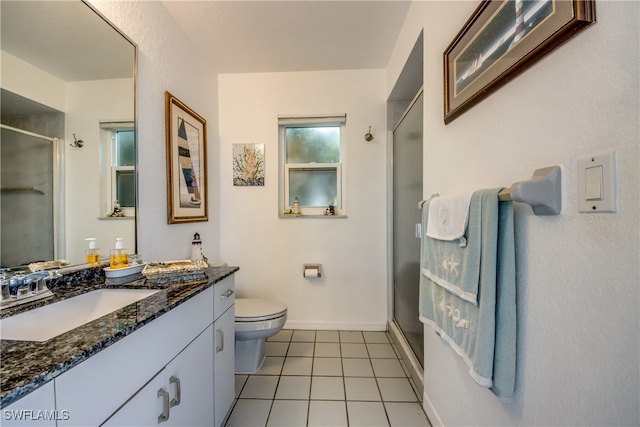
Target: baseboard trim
335 326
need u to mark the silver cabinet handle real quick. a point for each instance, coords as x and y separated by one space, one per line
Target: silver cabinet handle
220 339
164 416
227 294
175 380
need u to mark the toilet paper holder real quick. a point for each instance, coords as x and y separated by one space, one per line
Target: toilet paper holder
312 270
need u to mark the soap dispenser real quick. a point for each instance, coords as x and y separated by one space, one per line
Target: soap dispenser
119 257
92 255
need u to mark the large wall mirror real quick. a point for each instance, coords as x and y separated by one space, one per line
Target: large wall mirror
68 143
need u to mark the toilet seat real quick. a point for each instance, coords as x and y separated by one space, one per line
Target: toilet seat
257 309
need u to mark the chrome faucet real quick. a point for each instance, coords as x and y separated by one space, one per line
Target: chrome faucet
21 288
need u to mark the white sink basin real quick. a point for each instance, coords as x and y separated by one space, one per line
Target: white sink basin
44 323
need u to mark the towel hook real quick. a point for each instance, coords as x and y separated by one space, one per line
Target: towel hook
368 136
77 143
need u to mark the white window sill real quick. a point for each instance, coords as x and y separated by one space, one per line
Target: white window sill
282 215
110 218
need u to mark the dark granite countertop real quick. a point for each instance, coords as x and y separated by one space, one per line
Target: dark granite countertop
27 365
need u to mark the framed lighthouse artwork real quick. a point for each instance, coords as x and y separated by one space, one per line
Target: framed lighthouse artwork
186 163
501 39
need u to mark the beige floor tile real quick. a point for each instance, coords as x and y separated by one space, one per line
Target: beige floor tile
297 366
375 337
288 413
271 366
301 349
351 336
327 336
381 351
367 414
327 388
249 412
354 350
387 368
406 414
303 336
259 387
361 389
327 349
327 366
357 368
327 414
294 388
396 390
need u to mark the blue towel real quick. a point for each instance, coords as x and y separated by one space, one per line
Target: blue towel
442 260
482 333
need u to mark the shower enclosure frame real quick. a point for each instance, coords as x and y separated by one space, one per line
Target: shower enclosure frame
58 183
414 365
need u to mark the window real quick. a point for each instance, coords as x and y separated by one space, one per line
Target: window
312 155
118 167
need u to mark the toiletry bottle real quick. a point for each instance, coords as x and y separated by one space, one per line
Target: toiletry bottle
92 255
119 257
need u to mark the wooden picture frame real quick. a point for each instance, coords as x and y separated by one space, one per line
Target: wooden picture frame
186 163
501 39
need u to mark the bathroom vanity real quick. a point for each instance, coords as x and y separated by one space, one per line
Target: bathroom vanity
167 359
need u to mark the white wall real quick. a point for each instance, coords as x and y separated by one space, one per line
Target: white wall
578 274
88 103
167 61
270 250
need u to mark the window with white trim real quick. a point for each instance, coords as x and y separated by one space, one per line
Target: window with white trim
118 167
312 158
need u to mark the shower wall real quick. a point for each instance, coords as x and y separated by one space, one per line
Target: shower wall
26 178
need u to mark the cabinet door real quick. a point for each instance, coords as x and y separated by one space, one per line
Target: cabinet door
189 379
37 408
224 364
144 408
188 382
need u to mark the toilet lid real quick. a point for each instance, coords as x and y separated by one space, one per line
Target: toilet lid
256 309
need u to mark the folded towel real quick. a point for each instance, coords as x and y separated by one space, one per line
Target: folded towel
448 217
484 335
455 267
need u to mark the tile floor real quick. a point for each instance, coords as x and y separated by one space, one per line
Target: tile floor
328 378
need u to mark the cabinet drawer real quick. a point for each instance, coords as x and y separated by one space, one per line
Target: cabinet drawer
223 296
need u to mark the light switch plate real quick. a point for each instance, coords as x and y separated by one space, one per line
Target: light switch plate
588 168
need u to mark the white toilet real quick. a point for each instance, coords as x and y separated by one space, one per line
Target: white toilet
256 320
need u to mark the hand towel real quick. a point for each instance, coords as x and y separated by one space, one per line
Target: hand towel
455 267
448 217
484 335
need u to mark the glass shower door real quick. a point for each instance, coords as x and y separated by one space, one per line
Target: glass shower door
407 193
27 221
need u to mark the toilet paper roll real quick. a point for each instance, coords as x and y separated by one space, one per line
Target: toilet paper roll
311 272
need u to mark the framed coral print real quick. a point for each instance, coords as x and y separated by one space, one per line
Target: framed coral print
248 165
501 39
186 163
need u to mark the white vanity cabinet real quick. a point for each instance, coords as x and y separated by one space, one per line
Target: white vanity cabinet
224 358
98 387
35 409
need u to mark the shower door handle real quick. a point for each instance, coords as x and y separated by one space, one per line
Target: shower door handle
418 231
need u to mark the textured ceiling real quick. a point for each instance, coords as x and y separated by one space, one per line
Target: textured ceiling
277 36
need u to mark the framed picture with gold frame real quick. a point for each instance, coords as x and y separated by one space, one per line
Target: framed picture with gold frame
500 40
186 163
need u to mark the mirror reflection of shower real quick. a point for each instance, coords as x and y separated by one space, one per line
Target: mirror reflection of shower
29 227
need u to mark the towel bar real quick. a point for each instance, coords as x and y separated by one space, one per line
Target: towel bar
543 192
